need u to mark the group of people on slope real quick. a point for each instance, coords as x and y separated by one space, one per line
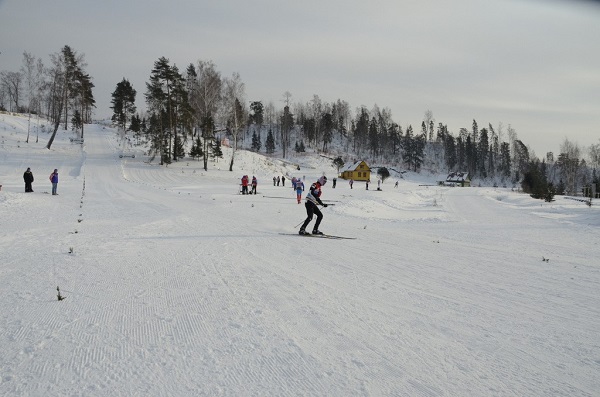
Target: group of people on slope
245 182
277 180
28 178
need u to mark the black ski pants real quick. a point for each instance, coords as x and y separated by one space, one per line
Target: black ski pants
312 209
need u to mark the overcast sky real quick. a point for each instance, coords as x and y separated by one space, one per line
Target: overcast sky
533 64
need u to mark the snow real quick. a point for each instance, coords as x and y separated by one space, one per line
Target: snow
178 286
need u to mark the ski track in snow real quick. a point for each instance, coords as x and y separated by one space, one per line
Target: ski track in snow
178 285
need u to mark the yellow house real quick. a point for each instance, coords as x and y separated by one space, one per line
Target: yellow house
358 171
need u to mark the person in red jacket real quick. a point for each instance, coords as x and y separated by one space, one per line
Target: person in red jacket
245 184
312 199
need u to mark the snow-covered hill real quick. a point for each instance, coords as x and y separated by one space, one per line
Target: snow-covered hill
176 285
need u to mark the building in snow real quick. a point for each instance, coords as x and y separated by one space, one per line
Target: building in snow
359 171
462 179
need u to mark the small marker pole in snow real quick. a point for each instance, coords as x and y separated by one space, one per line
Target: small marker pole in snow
59 296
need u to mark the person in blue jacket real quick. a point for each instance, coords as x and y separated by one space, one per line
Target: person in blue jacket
299 186
54 179
312 199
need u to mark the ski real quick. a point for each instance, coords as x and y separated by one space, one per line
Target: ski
279 197
329 236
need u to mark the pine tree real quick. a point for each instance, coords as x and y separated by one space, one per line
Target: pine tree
123 101
270 143
178 148
255 142
216 150
196 151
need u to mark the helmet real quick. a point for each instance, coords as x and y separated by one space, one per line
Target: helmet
323 180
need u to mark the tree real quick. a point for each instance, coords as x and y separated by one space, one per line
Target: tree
256 145
83 96
123 101
204 100
32 71
535 182
373 137
196 151
383 173
56 98
155 99
328 124
413 148
12 85
235 113
287 122
76 121
257 115
429 121
208 133
338 163
569 164
270 143
482 152
68 85
217 153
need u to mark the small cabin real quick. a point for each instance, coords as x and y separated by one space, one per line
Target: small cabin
462 179
359 171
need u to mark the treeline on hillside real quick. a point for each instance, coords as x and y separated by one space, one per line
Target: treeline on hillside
60 91
197 107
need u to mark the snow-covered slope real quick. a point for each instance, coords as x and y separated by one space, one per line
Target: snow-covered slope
176 285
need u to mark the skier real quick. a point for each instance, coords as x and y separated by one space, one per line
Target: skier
312 199
283 181
334 182
299 190
28 178
254 183
54 180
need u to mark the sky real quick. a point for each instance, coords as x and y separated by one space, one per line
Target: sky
530 64
174 284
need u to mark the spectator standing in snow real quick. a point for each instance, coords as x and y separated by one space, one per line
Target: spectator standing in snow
254 183
367 184
274 181
54 180
334 182
283 181
378 184
351 183
278 180
28 178
299 190
245 184
312 199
